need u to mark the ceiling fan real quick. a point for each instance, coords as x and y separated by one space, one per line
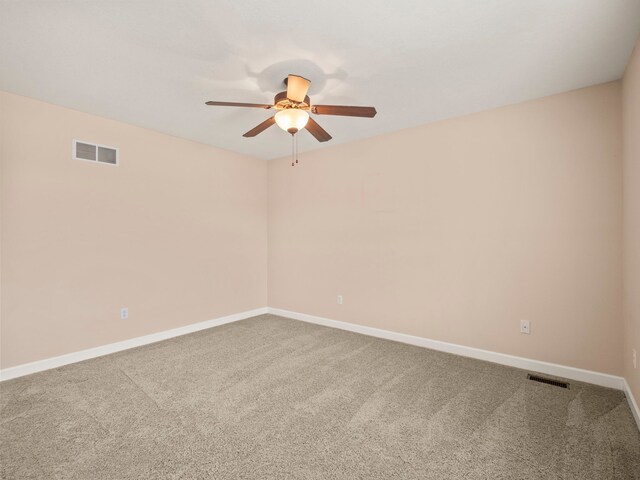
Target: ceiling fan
294 106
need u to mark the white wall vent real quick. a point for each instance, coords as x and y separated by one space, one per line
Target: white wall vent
94 153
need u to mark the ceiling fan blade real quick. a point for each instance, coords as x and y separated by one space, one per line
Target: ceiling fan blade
297 88
260 128
317 131
237 104
344 110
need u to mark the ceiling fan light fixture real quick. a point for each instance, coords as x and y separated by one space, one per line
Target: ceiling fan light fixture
292 119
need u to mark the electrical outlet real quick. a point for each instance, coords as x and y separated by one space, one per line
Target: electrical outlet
635 357
525 327
124 313
339 299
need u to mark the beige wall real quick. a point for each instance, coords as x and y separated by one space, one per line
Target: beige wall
176 233
453 231
631 135
457 230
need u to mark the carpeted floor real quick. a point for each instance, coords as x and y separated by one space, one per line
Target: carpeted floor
270 397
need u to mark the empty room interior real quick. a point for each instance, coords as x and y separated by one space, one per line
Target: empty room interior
320 240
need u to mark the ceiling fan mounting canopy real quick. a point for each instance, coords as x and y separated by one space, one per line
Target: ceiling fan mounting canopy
293 107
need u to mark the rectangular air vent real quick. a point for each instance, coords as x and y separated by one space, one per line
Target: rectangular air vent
548 381
93 152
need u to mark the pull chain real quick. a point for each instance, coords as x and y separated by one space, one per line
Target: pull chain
294 149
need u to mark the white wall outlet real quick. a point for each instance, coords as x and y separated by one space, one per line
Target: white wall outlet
525 327
635 358
124 313
339 299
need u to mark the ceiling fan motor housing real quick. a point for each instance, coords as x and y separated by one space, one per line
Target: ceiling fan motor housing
281 102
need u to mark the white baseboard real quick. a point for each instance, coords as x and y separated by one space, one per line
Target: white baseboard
55 362
572 373
587 376
632 402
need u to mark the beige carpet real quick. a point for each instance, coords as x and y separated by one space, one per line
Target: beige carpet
270 397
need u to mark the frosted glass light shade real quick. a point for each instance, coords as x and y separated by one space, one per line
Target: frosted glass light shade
292 118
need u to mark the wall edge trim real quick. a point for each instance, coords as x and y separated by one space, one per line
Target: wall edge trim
572 373
74 357
632 402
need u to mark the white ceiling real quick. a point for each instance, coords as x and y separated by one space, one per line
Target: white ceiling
154 63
